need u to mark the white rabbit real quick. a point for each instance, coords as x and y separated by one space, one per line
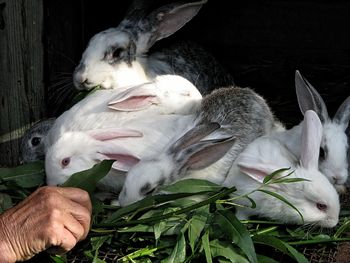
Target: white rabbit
75 151
155 109
334 146
239 111
167 94
316 199
117 57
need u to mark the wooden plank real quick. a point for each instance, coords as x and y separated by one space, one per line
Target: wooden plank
22 94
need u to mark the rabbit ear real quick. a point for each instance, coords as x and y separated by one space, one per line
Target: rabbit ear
311 140
309 98
342 116
134 99
252 166
194 135
204 153
123 162
113 133
168 19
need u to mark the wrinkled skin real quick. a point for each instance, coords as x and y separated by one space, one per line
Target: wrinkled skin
51 217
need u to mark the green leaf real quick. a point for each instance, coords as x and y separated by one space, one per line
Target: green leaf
196 225
147 251
251 201
5 202
281 198
281 246
265 259
191 186
93 258
225 249
158 229
26 176
344 227
97 242
88 179
272 175
289 180
237 232
142 205
179 252
137 228
206 247
58 259
151 201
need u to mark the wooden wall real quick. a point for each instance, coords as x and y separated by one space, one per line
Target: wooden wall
261 42
22 95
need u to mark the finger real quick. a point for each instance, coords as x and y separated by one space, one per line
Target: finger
80 214
77 195
68 240
74 226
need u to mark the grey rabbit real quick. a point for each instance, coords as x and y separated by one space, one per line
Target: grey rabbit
227 121
32 146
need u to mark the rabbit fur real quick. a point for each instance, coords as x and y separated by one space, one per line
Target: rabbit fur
117 57
95 128
76 151
32 146
238 112
316 199
333 161
167 94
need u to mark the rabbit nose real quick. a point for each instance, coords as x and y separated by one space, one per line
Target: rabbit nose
79 76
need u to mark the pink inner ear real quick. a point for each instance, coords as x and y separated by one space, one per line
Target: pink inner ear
113 133
134 103
123 162
257 175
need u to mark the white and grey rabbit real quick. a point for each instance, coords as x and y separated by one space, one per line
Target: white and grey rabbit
334 145
316 199
118 57
240 112
32 146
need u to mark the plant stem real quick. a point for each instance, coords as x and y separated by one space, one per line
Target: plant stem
318 241
171 214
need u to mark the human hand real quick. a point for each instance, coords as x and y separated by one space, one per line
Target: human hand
51 216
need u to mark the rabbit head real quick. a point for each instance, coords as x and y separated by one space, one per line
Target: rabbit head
334 145
116 57
32 144
189 152
316 199
77 151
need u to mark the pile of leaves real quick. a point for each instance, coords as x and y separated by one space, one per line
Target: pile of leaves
194 222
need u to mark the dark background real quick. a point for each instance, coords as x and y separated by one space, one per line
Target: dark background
260 42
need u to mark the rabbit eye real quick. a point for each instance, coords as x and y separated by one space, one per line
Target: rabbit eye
65 161
321 207
35 141
322 154
117 52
